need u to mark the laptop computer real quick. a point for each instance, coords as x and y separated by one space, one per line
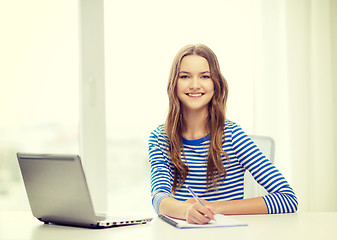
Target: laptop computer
58 192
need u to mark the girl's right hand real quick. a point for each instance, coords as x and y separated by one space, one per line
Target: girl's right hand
199 214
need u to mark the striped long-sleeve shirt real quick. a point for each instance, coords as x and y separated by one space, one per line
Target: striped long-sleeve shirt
243 155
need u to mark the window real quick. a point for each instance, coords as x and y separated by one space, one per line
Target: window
39 87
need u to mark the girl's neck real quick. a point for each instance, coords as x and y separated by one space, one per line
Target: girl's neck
194 125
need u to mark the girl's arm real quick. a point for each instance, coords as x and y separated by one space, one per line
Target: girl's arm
161 185
281 197
245 206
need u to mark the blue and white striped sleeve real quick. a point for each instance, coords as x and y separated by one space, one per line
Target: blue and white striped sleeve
160 170
281 197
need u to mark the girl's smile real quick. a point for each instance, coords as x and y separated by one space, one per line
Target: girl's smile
195 95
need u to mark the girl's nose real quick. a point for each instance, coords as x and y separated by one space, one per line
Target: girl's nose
194 83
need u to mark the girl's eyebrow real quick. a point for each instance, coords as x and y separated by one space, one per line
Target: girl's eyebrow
190 73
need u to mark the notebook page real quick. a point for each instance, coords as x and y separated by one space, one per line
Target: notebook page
221 221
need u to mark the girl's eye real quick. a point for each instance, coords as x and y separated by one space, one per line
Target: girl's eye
183 76
205 77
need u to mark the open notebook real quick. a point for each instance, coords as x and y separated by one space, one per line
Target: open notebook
221 221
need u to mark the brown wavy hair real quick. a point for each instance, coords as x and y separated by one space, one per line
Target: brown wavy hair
215 121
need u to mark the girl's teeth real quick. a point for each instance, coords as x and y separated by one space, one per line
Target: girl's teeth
195 95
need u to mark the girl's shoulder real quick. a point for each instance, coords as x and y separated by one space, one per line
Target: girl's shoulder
230 125
232 128
159 133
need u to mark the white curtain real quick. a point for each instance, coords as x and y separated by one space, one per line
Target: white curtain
296 94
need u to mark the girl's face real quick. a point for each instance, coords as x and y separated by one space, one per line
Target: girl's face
195 87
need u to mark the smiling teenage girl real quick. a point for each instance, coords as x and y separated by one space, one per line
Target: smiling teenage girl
200 148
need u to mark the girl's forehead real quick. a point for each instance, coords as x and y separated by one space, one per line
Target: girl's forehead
194 63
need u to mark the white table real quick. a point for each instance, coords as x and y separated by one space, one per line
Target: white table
301 225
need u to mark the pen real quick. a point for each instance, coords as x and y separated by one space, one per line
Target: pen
195 196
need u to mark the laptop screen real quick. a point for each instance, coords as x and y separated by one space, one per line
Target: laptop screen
56 187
